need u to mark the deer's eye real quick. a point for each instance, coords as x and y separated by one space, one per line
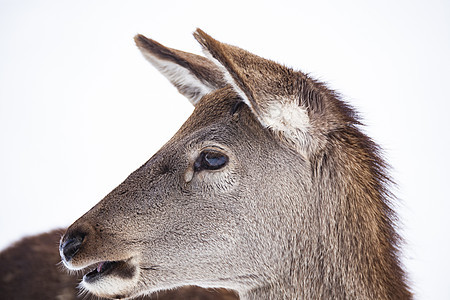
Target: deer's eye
210 160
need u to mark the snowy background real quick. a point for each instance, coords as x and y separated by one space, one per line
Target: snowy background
80 108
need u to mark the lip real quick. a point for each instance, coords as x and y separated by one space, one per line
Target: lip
103 268
123 269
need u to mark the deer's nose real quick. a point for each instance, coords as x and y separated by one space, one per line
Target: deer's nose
70 245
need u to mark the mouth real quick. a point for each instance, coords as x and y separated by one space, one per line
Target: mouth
123 269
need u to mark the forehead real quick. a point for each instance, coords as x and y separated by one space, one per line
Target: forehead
213 115
212 109
213 120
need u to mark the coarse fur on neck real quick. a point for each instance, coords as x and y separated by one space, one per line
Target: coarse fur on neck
351 248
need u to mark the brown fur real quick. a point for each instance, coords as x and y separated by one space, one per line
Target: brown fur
300 211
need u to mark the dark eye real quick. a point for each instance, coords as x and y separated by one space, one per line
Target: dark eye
210 160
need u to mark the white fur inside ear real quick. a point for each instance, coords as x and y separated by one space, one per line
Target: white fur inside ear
182 78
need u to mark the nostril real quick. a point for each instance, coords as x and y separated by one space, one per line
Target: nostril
71 246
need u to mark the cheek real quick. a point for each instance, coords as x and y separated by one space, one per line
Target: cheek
198 231
215 183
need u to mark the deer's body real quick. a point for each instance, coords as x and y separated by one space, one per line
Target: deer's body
269 188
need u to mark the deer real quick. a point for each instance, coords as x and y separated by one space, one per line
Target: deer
270 188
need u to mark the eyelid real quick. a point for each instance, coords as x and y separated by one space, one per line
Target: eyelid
212 148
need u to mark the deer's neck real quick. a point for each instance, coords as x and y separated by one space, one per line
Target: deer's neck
353 253
345 242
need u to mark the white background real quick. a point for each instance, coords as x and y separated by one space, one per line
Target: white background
80 108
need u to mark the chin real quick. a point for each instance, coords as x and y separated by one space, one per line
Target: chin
113 279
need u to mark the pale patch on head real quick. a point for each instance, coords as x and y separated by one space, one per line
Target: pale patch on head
290 120
189 175
186 82
285 116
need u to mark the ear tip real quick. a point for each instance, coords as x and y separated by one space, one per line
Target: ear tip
199 32
203 38
140 40
144 42
149 45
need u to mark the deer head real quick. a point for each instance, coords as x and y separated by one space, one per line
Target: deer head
269 188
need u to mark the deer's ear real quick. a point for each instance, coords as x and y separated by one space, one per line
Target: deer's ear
193 75
272 91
